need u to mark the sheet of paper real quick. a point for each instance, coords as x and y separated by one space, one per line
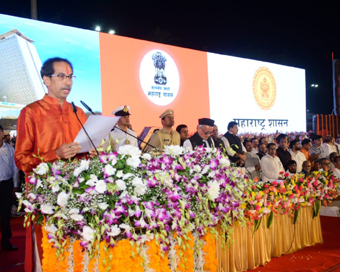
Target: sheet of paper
98 128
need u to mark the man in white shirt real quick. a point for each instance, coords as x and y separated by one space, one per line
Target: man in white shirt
291 168
328 146
337 167
120 134
9 182
271 165
255 144
252 164
203 135
297 155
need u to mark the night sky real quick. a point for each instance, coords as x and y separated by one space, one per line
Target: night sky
288 33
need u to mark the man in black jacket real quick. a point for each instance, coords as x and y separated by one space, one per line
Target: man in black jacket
202 137
282 151
235 149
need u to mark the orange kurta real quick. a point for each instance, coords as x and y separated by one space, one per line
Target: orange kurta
42 127
307 155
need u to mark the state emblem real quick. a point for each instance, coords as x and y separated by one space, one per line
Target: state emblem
264 88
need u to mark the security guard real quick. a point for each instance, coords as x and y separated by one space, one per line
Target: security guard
166 135
118 135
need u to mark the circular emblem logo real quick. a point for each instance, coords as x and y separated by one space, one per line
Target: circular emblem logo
159 77
264 88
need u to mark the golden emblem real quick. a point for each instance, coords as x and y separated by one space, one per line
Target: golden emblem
264 88
125 109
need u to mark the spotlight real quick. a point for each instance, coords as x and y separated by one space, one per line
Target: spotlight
111 32
97 28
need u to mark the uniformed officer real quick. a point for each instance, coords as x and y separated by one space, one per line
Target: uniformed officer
118 135
166 135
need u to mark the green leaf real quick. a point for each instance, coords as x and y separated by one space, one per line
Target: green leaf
270 219
316 208
296 215
257 224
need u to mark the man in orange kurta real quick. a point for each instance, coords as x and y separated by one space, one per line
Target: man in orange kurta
306 146
47 128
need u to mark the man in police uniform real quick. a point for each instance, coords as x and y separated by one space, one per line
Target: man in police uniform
203 137
166 135
119 135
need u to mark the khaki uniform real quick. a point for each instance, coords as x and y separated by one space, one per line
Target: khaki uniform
161 138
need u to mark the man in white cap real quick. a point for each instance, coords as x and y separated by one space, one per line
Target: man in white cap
166 135
202 137
119 135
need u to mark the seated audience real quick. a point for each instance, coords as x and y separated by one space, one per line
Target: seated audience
306 167
337 167
183 133
262 150
291 168
305 149
325 164
271 165
317 147
255 144
328 146
252 163
317 165
332 156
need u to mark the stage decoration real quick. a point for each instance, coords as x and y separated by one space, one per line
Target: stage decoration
133 212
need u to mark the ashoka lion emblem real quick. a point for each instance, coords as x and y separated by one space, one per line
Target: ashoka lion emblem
264 88
159 63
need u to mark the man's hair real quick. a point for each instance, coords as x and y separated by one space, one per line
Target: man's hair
336 158
260 141
323 160
47 69
304 163
291 162
270 144
305 141
246 141
280 137
328 139
231 124
253 139
317 137
333 155
179 128
292 143
1 128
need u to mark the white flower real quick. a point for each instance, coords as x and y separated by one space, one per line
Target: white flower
125 226
101 186
266 210
103 206
92 181
55 187
47 208
39 183
121 185
214 190
114 231
133 162
18 195
73 211
109 170
41 169
62 199
52 229
113 159
140 186
174 150
145 238
225 162
88 233
84 165
128 175
31 196
133 151
197 168
120 174
77 217
205 169
146 156
50 179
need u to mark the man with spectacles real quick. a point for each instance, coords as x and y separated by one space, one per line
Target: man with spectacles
166 135
202 137
47 128
235 149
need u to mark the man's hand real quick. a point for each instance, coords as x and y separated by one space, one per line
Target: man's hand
93 153
66 151
315 156
242 156
15 189
257 167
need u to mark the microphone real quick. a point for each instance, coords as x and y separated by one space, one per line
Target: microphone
90 110
75 112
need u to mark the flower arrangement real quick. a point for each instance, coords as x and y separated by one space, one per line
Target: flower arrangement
171 200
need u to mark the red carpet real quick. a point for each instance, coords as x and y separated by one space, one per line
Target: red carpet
322 257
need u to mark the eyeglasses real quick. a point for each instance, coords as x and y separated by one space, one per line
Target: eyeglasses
62 77
206 133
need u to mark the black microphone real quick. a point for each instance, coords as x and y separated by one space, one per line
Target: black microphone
75 112
90 110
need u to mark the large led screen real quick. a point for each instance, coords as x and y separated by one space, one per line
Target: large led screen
113 71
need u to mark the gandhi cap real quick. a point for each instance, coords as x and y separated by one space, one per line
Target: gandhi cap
168 112
206 121
122 111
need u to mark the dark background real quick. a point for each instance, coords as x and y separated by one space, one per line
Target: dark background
296 34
